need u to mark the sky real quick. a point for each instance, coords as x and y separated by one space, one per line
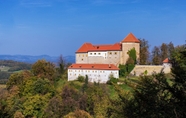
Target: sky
55 27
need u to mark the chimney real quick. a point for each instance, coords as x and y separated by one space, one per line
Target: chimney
109 66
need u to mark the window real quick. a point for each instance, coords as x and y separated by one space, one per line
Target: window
86 55
92 71
95 71
115 52
79 55
99 53
94 53
110 53
90 53
81 59
83 55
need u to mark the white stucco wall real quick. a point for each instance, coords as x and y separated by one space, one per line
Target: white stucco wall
101 76
102 54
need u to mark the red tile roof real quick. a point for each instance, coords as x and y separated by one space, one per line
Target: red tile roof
130 38
86 47
166 60
94 66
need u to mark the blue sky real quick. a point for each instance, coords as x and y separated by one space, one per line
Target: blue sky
54 27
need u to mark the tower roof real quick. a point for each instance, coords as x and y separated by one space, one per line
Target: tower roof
166 60
130 38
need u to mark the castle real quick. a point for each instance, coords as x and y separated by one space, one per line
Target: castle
108 54
98 62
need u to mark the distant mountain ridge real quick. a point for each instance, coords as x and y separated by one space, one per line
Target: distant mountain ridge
33 59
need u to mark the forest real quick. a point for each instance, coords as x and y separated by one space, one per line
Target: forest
44 92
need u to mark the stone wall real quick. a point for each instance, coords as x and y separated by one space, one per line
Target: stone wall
150 69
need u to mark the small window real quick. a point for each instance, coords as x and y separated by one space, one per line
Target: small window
81 59
95 71
99 53
92 71
90 53
83 55
110 53
86 55
88 71
94 53
115 52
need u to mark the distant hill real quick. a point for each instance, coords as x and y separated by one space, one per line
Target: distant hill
33 59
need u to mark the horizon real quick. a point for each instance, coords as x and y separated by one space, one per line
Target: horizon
55 27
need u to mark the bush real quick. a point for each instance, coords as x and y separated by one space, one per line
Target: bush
81 78
112 80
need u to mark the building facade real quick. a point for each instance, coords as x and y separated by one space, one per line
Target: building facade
95 72
103 58
108 54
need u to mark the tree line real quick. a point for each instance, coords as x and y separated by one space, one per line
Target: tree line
157 55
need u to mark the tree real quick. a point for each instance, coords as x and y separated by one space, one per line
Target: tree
44 69
156 56
78 114
164 51
144 52
178 60
170 49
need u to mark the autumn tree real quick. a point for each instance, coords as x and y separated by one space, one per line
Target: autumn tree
44 69
144 52
156 56
164 51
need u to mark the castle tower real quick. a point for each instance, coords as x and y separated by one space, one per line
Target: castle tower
129 42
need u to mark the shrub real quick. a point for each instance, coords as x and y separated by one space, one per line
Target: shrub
81 78
112 80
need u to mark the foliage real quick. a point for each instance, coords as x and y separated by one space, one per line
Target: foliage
156 56
78 114
44 69
112 80
144 52
130 64
178 59
81 79
132 56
